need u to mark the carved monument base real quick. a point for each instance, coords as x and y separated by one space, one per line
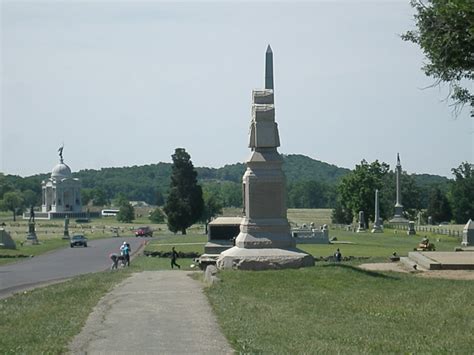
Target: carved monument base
263 259
398 216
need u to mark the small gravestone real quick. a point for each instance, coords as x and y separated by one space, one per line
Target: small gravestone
361 227
468 234
6 241
66 228
411 228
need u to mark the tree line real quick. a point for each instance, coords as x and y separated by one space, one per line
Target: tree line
310 184
452 200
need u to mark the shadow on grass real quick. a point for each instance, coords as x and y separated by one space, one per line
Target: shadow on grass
362 271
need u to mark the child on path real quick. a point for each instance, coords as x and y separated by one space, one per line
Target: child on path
174 256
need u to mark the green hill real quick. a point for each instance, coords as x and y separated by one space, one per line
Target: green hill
150 183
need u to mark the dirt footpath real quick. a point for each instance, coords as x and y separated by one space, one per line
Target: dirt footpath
153 312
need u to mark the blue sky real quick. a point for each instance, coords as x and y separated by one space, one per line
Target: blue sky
125 83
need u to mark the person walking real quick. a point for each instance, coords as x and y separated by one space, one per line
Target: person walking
125 252
174 256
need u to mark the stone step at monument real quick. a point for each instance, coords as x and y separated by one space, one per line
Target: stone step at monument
424 261
217 247
410 264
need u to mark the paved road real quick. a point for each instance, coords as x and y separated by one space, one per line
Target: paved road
61 264
152 312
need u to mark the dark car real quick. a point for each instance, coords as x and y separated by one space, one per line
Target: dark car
144 232
78 241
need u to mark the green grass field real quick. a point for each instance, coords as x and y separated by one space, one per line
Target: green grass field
328 308
338 308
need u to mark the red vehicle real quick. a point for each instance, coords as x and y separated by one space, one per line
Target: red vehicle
144 232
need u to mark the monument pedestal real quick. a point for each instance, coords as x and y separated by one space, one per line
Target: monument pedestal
263 259
468 234
66 228
411 228
31 238
377 229
398 216
259 233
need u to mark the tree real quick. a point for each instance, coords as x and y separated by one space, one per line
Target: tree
99 197
341 214
157 216
462 193
212 208
12 201
185 204
438 206
86 196
445 34
5 185
307 194
120 200
30 198
126 212
357 189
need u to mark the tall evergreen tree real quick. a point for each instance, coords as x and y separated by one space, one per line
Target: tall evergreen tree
462 193
185 204
438 206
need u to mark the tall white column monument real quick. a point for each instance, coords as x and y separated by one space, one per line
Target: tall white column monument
377 228
398 216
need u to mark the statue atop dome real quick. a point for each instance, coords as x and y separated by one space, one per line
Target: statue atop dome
60 150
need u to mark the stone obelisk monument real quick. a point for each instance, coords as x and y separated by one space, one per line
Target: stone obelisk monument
265 240
398 216
377 228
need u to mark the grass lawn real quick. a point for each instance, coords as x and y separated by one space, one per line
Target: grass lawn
334 308
46 319
328 308
378 245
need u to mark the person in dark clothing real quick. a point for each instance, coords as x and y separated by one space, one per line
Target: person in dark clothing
174 256
338 255
115 260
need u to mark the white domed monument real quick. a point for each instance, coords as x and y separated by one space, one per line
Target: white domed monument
265 240
61 193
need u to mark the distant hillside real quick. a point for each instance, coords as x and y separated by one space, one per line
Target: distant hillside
296 167
150 182
300 167
427 180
